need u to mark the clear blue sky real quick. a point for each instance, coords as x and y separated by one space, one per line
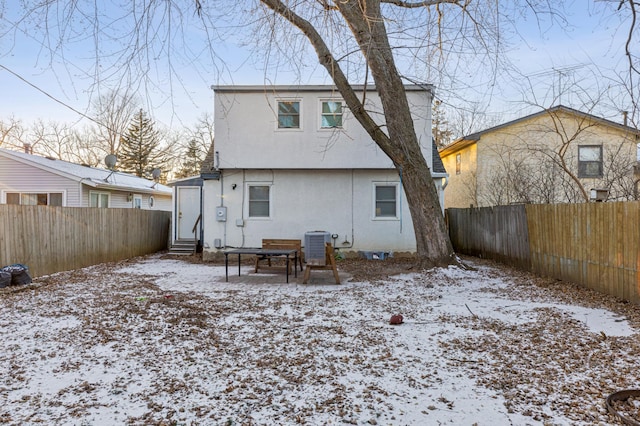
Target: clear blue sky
550 59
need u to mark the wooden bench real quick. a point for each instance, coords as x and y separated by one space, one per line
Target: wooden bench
280 244
329 263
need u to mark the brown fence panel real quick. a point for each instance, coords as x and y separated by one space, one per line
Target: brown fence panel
498 233
53 239
594 244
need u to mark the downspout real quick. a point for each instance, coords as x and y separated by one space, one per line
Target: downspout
346 244
216 167
400 196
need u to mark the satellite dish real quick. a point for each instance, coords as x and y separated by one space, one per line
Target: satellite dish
110 161
156 173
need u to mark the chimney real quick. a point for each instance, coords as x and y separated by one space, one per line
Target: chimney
624 117
28 149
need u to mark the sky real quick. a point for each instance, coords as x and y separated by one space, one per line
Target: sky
63 88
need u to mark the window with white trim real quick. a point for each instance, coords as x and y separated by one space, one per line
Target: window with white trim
35 198
137 201
99 199
288 114
386 200
331 114
259 201
590 161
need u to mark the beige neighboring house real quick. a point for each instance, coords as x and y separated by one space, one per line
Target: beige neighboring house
557 155
29 179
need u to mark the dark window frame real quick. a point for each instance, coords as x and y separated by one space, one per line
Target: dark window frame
590 169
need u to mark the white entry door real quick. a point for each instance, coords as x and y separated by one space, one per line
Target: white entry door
188 211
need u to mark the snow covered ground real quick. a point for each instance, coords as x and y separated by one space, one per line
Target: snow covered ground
158 340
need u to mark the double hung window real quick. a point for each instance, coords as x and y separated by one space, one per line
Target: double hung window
288 114
331 115
259 201
590 161
386 200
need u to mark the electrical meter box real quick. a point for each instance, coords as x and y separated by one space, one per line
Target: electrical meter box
221 214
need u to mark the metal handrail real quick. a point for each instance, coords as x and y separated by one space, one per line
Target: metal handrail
195 236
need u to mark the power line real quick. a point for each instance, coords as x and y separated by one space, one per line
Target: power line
44 92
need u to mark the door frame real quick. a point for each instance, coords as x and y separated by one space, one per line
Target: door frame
176 233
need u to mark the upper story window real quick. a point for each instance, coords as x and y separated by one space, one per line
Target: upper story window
458 163
331 115
288 114
590 161
259 201
35 199
386 200
99 199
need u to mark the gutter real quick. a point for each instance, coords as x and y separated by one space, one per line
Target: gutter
136 189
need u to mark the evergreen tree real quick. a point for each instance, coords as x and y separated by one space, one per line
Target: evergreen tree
140 151
193 157
441 132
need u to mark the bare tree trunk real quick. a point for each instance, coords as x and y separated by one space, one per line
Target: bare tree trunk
401 144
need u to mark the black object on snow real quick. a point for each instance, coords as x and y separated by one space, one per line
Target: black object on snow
5 279
19 274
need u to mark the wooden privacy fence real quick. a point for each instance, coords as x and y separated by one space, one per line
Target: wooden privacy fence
498 233
596 245
53 239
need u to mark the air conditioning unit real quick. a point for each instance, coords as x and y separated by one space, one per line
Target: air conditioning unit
314 247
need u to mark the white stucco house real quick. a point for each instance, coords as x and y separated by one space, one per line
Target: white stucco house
30 179
292 159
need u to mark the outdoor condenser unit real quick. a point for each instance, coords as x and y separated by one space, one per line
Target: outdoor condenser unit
314 247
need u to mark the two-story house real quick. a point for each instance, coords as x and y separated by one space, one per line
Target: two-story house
556 155
292 159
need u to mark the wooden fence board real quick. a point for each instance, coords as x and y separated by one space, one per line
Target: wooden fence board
596 245
53 239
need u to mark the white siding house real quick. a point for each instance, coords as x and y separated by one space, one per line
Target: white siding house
35 180
290 160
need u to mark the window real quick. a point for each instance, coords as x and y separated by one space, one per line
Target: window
35 199
590 161
99 199
458 163
259 200
331 116
386 200
137 201
288 114
55 199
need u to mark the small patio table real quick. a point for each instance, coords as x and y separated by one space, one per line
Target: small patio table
288 253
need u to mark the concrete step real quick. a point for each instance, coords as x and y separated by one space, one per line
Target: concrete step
186 247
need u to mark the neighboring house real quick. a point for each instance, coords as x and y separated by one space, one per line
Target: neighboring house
34 180
292 159
557 155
